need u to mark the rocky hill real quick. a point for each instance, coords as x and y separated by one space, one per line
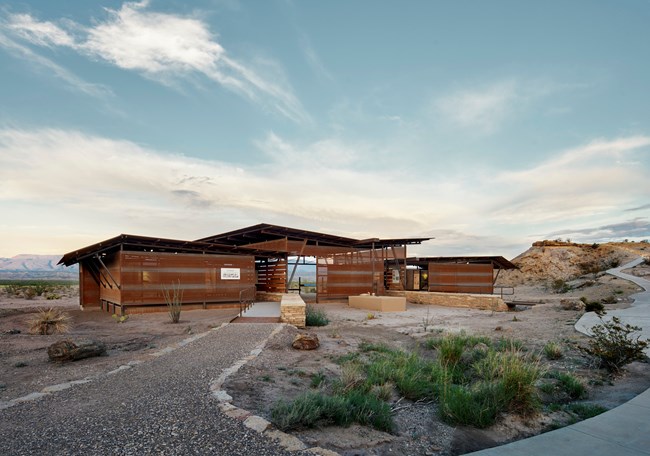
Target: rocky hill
546 261
36 267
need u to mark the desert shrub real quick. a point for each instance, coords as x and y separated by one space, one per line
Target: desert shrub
613 345
560 286
611 299
29 293
13 289
615 263
553 350
50 296
594 306
40 288
49 321
174 300
351 375
315 317
507 344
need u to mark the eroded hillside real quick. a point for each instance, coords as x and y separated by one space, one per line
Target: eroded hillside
546 261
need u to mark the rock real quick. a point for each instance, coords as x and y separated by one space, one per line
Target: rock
307 341
67 350
12 331
572 304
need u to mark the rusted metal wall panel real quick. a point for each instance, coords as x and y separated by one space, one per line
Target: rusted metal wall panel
110 278
349 274
460 278
203 278
88 288
272 276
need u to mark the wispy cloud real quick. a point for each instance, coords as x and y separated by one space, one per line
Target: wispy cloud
638 208
313 59
146 191
163 47
44 64
638 228
487 107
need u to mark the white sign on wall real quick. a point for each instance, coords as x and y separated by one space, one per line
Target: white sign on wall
230 274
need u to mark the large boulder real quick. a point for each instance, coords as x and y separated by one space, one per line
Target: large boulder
307 341
67 350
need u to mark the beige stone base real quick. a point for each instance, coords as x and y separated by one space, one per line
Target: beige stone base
293 310
378 303
471 301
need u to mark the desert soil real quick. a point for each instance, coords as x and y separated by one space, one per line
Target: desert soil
281 372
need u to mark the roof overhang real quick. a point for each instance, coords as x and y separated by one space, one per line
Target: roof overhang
498 262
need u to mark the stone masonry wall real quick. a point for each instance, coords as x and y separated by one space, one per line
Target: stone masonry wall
471 301
293 310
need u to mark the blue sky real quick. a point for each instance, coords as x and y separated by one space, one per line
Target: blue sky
487 125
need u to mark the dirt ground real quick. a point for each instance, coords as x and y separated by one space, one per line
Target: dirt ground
281 372
24 364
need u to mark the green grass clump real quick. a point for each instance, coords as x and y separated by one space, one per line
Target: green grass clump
315 317
571 385
318 409
585 411
553 351
476 406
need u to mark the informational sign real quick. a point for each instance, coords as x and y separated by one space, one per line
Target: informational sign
396 276
230 274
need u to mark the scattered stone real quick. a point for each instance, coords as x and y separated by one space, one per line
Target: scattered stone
307 341
67 350
257 423
572 304
12 331
498 328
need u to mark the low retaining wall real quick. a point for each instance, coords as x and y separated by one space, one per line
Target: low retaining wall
293 310
471 301
379 303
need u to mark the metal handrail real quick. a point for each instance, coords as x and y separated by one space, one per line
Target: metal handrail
502 293
246 298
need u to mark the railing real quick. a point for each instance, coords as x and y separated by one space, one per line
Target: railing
246 299
504 291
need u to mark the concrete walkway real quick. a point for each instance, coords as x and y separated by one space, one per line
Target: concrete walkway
263 309
622 431
638 314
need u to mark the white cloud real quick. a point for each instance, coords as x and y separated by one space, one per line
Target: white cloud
487 107
483 109
88 186
43 63
163 47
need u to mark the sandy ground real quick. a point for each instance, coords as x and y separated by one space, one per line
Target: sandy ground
282 373
24 364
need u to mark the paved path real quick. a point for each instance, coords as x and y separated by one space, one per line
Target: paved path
637 314
163 406
622 431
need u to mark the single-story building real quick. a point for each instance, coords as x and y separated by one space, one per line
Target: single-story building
128 274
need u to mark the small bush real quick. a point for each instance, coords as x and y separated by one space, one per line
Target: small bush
317 379
553 350
613 346
594 306
560 286
174 300
49 321
29 293
315 317
611 299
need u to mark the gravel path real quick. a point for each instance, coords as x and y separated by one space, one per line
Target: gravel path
162 407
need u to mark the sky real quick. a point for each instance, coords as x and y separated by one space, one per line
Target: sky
486 125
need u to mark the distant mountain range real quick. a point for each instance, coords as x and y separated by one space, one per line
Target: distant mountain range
30 267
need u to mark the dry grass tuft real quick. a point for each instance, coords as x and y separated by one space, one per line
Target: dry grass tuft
49 321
